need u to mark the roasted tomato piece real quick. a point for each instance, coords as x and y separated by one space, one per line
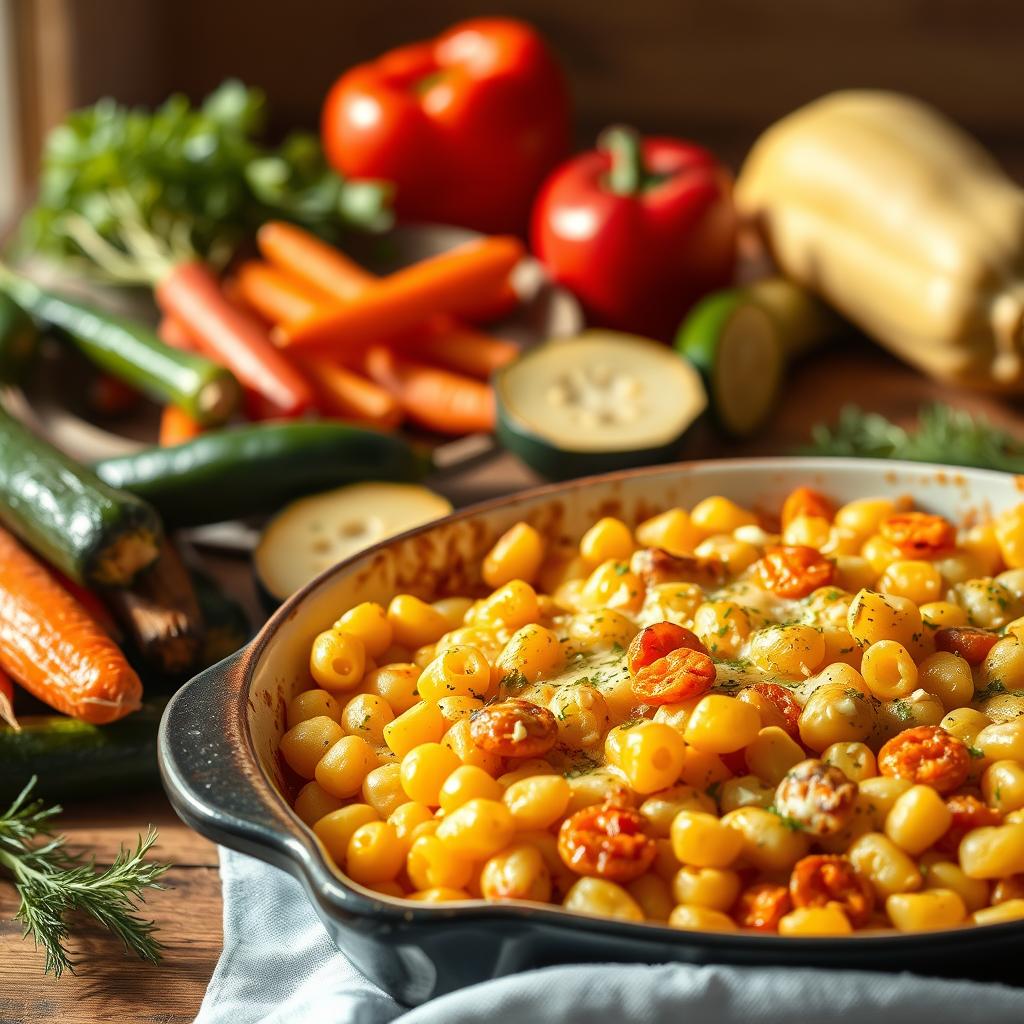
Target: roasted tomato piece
926 755
762 906
806 501
655 641
680 674
918 534
817 795
968 813
970 643
823 878
514 728
794 570
785 703
606 841
655 565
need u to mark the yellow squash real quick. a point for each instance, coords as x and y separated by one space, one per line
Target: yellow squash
904 223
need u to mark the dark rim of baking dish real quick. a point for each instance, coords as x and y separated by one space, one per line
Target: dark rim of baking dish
280 837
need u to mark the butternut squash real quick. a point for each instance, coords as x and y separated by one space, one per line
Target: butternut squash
902 222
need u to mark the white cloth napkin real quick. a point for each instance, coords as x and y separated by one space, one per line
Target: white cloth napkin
279 965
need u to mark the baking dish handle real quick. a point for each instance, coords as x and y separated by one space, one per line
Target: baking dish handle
211 783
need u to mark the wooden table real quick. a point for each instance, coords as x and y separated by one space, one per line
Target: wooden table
110 987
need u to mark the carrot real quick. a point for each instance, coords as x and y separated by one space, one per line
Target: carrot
176 426
7 702
457 347
91 602
447 283
52 646
172 333
440 400
342 393
319 265
493 307
192 295
277 296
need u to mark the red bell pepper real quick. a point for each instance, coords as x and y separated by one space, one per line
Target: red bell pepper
638 229
466 125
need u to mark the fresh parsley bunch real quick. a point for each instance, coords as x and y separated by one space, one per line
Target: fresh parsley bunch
194 180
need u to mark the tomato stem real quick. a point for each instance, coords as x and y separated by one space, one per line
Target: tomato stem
627 173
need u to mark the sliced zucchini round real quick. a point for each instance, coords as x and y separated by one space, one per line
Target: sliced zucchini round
734 342
314 533
597 402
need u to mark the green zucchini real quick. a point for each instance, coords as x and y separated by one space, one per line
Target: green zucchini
65 513
597 402
314 533
75 759
245 471
740 339
18 341
131 352
227 625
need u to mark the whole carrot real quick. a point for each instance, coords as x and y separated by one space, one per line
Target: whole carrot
306 257
440 400
276 295
442 284
192 295
458 347
343 394
177 426
52 646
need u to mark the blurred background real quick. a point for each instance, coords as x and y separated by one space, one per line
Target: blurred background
715 72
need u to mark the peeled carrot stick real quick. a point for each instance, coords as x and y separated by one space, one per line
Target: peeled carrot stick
192 295
440 400
52 646
7 702
276 295
342 393
176 426
322 266
447 283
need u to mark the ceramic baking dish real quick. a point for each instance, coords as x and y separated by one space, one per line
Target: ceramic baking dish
219 738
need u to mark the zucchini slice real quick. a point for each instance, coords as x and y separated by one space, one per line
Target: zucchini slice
312 534
734 342
597 402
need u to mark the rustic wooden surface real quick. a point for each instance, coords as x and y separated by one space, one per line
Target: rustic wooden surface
110 987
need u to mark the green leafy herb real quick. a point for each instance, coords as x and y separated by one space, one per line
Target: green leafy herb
124 192
942 434
901 709
52 883
583 764
791 823
975 752
993 688
513 683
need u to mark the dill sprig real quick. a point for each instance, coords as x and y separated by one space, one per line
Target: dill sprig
942 434
53 882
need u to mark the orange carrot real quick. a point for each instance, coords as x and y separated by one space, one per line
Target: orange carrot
7 702
493 307
303 255
172 333
91 602
342 393
457 347
52 646
440 400
276 295
447 283
192 295
176 427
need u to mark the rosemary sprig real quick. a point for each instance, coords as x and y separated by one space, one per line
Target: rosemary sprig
942 434
53 882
